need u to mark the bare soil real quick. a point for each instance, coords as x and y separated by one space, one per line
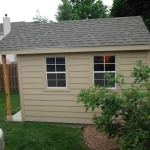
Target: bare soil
97 141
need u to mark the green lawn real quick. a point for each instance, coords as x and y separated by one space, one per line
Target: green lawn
34 135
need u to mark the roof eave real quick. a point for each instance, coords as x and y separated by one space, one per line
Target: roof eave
76 49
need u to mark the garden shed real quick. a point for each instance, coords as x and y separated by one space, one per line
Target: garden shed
56 60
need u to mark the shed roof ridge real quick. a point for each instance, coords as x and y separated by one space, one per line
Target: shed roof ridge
84 20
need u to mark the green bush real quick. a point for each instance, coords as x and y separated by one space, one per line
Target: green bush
125 115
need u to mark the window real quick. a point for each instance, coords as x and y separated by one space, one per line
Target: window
56 72
103 64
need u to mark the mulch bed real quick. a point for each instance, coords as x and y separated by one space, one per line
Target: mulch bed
97 141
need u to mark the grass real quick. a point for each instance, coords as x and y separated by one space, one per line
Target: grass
35 135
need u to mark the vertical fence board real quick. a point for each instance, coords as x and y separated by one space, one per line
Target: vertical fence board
13 78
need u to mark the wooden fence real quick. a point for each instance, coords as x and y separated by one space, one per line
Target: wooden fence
13 78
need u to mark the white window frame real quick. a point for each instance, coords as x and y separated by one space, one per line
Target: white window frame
104 68
55 72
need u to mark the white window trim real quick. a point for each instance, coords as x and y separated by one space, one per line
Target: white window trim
104 68
56 72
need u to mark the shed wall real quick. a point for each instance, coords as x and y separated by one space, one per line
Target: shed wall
60 105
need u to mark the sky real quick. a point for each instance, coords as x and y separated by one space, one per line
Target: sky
25 10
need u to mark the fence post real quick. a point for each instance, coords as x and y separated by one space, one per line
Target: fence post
6 86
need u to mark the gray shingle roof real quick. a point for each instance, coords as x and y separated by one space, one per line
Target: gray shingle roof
13 25
81 33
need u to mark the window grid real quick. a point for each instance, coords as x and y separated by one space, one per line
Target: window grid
56 72
103 71
56 77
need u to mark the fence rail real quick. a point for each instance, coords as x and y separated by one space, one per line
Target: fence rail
13 78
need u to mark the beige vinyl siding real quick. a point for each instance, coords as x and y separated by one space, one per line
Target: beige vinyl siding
65 103
60 105
54 105
148 58
56 108
58 119
128 62
59 114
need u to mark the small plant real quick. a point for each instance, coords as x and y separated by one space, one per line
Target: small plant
125 115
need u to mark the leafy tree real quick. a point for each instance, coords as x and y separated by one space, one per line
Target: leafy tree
123 8
81 9
64 11
125 115
40 19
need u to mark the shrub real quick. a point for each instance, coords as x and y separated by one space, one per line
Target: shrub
125 115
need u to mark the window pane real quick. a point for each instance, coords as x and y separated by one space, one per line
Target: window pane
60 60
61 76
109 59
98 59
112 84
60 68
61 83
98 75
50 60
98 67
99 82
51 76
50 68
109 67
51 83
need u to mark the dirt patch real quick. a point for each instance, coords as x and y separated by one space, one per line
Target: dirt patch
97 141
